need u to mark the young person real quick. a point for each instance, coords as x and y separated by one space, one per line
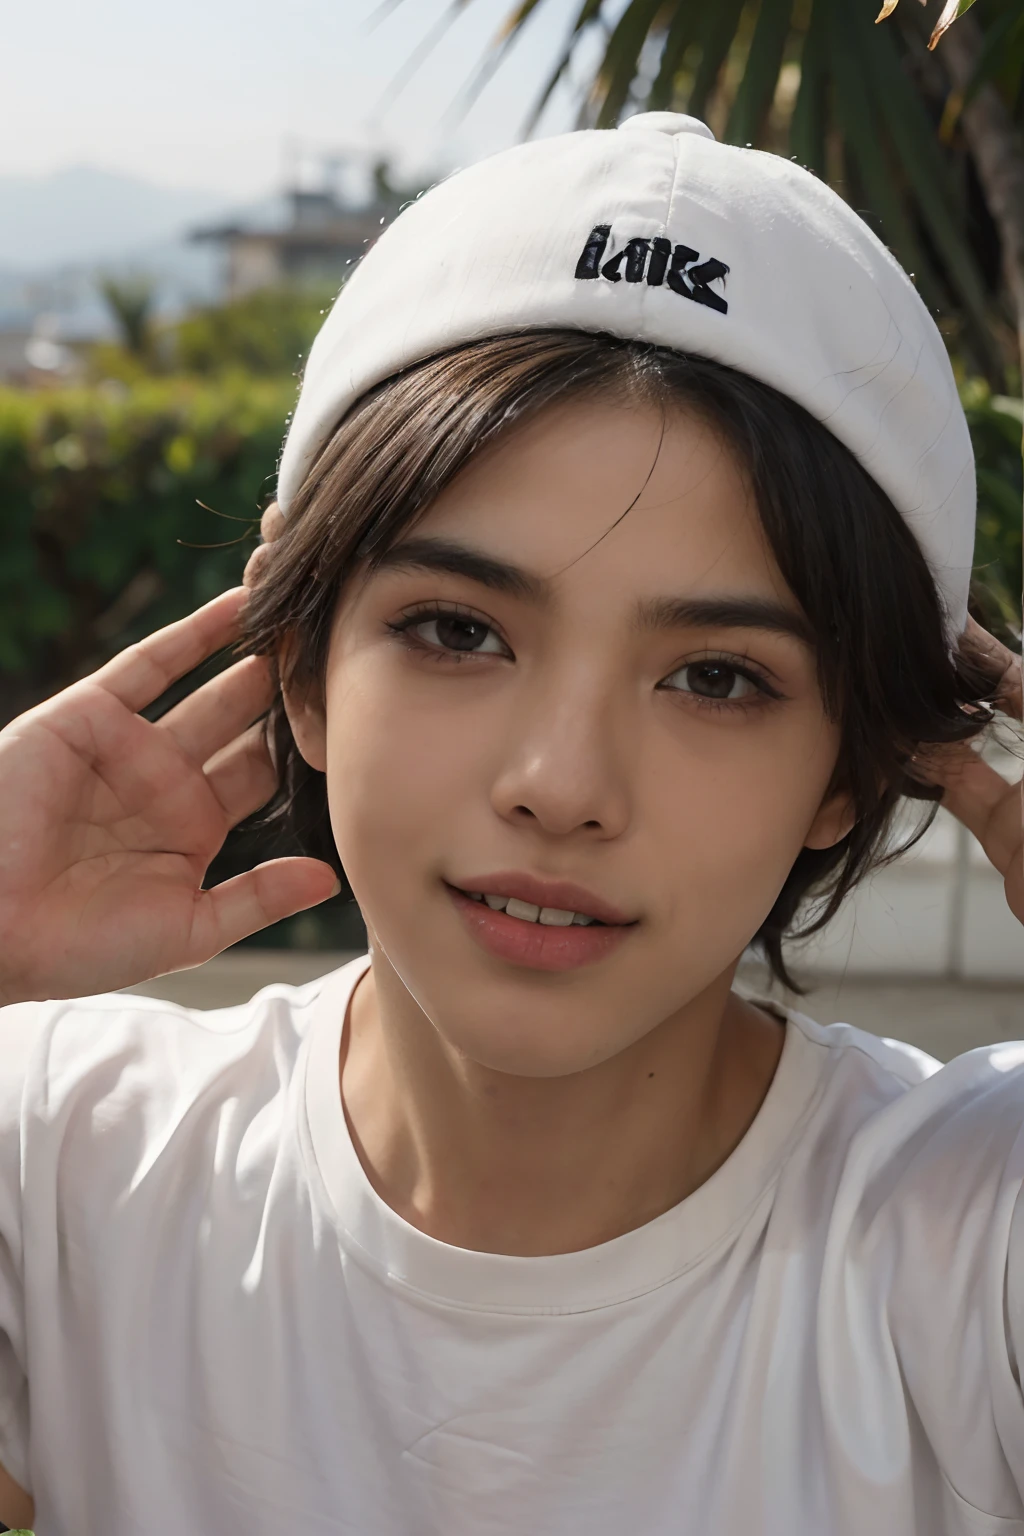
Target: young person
617 603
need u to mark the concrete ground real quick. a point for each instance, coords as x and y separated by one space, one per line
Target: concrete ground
943 1017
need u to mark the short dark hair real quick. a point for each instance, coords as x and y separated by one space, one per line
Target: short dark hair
847 555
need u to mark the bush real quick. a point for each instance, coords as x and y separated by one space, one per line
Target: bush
104 536
268 332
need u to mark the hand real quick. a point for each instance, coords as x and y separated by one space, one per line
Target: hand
271 528
108 822
975 793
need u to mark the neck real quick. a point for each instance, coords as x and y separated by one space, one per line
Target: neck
502 1164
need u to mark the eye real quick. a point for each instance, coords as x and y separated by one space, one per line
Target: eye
716 683
450 632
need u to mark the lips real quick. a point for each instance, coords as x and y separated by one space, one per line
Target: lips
534 945
560 894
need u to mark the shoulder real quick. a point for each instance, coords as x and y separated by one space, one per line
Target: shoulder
101 1086
892 1066
920 1295
51 1050
913 1118
841 1079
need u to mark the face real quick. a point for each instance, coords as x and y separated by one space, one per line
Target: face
528 702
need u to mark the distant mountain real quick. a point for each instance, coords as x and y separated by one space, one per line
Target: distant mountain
85 215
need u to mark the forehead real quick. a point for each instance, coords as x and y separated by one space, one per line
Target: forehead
611 493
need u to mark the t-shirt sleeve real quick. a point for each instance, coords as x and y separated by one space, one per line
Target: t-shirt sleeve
1010 1401
22 1027
925 1280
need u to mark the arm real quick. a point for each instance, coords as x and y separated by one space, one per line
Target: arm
17 1510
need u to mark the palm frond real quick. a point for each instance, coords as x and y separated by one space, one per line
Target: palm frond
718 33
808 122
680 35
423 50
761 75
588 15
865 155
1001 60
508 36
920 157
622 57
950 11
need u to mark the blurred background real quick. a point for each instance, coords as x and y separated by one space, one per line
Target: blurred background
182 195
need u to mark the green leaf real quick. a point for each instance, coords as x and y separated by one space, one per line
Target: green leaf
761 73
587 16
855 115
493 59
721 21
622 56
914 138
681 33
1001 57
807 124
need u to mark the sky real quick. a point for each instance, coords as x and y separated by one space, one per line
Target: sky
208 93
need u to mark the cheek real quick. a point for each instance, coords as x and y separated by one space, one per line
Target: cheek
400 765
731 824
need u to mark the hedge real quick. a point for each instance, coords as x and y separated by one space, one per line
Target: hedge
104 538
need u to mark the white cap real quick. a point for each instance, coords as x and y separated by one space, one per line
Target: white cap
656 232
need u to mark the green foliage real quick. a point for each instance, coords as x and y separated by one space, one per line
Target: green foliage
130 301
265 333
996 422
104 537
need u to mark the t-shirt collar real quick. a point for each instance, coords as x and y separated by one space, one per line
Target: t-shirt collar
632 1265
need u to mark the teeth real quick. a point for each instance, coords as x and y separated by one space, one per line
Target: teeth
551 917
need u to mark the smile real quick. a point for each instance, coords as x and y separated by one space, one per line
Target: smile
526 912
538 938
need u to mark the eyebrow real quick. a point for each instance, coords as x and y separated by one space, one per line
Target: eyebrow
716 611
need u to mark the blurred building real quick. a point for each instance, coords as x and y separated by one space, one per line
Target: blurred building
313 238
33 355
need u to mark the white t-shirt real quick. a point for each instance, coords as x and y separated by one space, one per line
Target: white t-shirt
210 1323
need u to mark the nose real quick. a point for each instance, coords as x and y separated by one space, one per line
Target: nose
564 763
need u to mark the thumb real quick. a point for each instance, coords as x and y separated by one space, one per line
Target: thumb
246 903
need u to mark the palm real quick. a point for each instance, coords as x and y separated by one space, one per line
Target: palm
108 822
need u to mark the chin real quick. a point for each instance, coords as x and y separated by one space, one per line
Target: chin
524 1031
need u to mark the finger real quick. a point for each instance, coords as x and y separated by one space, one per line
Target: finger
987 805
214 714
242 775
264 895
1010 689
272 523
144 671
254 565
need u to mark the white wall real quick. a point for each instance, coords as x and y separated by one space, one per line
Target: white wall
939 911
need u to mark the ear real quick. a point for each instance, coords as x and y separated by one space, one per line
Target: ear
307 718
834 819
